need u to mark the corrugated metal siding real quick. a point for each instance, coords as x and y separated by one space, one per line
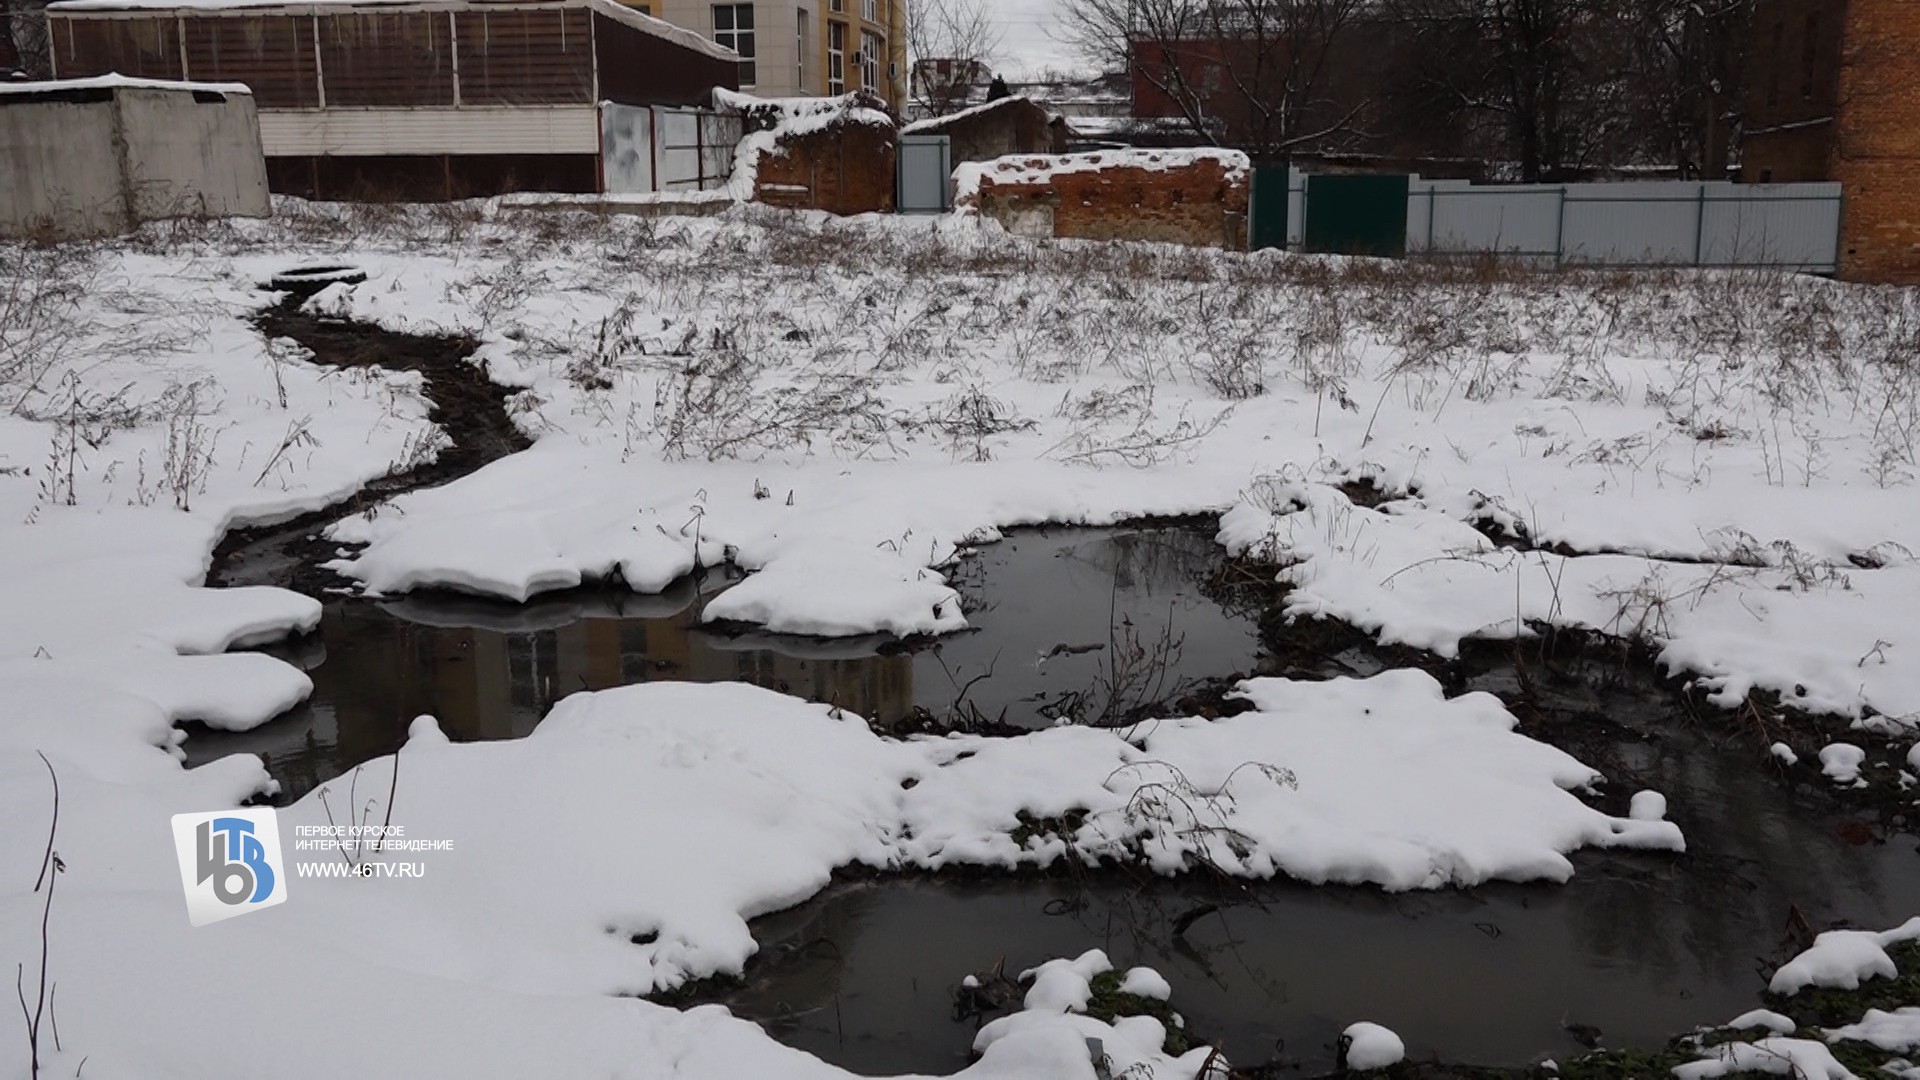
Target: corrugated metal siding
1640 223
273 54
525 57
374 59
140 48
569 129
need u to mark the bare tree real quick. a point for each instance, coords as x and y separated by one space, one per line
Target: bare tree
1690 61
1266 76
952 42
23 37
1546 83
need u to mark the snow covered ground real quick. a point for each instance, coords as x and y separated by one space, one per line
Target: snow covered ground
1721 465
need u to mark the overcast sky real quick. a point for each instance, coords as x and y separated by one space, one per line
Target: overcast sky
1029 37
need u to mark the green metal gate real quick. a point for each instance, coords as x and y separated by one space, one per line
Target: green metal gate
1268 227
1356 215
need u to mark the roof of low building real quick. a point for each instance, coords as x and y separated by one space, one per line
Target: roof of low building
618 12
120 82
940 123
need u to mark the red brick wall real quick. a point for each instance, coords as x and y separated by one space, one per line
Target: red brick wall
844 169
1202 202
1877 155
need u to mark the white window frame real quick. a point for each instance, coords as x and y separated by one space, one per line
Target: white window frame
800 49
870 46
836 58
870 10
728 32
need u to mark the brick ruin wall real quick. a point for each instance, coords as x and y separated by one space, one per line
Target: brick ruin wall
1201 202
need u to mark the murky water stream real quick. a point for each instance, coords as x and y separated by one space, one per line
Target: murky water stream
1639 946
491 670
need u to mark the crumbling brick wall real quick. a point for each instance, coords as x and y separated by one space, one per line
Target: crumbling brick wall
1877 154
1196 197
845 168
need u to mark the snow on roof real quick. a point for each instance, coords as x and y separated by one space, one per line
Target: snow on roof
618 12
937 123
119 82
1041 168
795 116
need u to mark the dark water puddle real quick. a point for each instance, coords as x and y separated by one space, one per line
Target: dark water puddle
1068 622
1640 946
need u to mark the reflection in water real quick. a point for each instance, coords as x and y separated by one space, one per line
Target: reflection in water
1640 945
488 670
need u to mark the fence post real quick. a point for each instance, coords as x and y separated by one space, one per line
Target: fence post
1560 231
1699 223
1433 202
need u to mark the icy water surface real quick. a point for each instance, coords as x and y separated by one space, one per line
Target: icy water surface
1640 946
1070 622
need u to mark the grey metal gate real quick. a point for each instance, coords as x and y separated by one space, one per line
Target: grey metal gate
923 168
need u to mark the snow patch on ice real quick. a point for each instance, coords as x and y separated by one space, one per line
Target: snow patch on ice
1764 1018
1802 1059
1371 1046
1898 1030
1840 762
1843 959
1147 983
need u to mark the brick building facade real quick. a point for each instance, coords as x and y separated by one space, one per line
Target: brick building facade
1836 96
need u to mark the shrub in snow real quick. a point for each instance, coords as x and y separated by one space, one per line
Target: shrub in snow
1366 1046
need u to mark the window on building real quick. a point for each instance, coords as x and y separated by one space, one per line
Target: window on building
1809 55
733 28
836 57
800 36
870 49
870 10
836 6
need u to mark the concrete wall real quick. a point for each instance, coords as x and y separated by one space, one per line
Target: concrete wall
59 169
82 159
191 156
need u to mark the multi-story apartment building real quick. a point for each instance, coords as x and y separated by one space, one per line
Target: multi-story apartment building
801 48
